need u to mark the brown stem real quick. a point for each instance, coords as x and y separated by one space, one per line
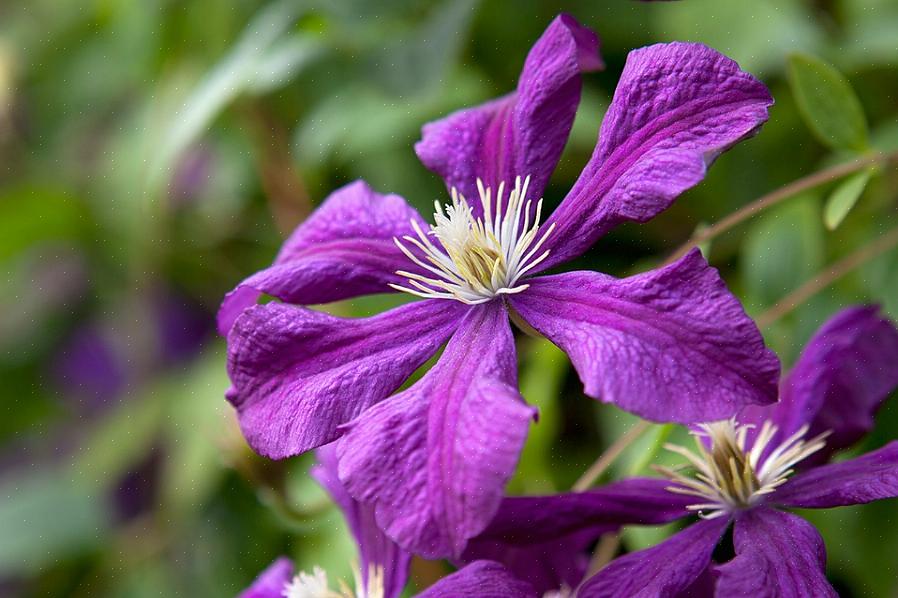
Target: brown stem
827 277
774 197
608 457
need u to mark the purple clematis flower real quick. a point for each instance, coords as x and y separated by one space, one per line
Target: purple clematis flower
847 369
671 344
383 569
383 565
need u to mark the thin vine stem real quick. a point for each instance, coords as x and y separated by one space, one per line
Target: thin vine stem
836 271
777 196
608 457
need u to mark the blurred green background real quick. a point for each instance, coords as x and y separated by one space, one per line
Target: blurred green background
153 153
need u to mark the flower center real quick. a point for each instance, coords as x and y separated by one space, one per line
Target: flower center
479 257
315 585
729 477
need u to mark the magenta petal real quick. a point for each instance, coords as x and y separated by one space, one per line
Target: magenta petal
663 570
543 539
435 458
271 582
873 476
841 379
676 108
671 344
375 548
344 249
298 374
483 579
777 554
521 134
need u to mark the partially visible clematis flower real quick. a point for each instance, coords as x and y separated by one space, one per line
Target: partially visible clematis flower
743 468
383 569
671 344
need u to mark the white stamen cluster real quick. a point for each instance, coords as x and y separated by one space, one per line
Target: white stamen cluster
480 257
315 585
728 477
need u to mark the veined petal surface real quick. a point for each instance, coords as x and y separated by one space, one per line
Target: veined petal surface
298 374
778 555
344 249
676 108
664 570
435 458
870 477
523 133
671 344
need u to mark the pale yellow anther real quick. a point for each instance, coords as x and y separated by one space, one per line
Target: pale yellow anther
478 258
729 477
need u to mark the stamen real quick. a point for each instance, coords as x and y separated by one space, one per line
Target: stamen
730 477
315 585
479 258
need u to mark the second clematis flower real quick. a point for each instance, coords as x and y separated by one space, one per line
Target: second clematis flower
742 479
670 345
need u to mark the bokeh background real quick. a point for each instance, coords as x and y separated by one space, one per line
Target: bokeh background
153 153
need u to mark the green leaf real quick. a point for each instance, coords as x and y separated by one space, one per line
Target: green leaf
783 249
542 378
262 58
843 198
420 61
45 516
196 415
828 103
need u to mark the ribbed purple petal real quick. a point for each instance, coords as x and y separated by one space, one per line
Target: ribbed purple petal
344 249
663 570
676 108
298 374
671 344
522 133
483 579
271 582
873 476
841 379
543 539
778 555
375 548
435 458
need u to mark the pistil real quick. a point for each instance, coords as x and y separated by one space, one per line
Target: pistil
729 476
476 258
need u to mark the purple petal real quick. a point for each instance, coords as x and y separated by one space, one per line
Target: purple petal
344 249
676 108
375 548
543 539
662 570
669 345
271 582
777 554
523 519
435 458
873 476
298 374
483 579
523 133
841 379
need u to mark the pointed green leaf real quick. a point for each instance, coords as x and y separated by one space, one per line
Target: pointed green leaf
828 103
843 198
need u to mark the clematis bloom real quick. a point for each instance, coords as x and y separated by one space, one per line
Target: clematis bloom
743 478
383 569
670 345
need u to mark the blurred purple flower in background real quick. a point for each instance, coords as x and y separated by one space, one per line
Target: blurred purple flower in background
672 344
744 467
